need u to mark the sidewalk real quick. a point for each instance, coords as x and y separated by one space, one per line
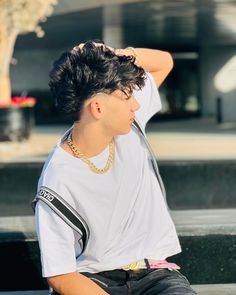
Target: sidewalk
177 140
200 139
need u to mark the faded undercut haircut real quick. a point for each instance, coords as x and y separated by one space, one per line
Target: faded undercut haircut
83 72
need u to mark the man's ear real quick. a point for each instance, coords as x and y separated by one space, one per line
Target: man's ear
96 108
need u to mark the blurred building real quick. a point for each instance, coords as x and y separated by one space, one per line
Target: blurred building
201 35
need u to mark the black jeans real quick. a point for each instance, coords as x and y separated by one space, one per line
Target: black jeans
144 281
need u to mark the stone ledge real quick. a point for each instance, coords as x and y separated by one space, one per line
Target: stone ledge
214 289
205 221
188 223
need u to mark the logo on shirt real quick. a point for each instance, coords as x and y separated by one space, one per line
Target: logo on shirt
46 194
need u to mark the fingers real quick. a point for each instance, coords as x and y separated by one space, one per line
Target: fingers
118 51
80 46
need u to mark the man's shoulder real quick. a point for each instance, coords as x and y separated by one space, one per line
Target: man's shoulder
54 165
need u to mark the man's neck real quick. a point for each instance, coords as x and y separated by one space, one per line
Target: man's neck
90 138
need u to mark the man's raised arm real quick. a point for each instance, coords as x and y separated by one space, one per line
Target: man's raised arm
159 63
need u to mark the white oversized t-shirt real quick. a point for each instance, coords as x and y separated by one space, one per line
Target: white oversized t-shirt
124 208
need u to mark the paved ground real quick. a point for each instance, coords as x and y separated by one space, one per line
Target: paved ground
187 139
193 139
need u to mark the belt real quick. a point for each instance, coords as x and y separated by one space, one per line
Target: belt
149 264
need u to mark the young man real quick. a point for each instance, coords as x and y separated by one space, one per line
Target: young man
101 167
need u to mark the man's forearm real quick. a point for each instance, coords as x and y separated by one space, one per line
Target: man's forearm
75 284
152 60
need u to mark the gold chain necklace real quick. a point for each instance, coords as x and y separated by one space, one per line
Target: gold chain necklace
85 159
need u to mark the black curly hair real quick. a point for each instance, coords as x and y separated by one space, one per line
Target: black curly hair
81 73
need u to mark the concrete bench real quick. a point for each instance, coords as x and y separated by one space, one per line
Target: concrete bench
217 289
208 239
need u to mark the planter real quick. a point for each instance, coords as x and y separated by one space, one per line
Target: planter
16 123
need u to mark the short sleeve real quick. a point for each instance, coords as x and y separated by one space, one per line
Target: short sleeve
58 242
149 100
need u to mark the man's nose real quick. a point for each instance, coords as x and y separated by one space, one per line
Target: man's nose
134 104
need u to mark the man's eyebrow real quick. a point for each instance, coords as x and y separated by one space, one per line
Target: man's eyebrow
128 94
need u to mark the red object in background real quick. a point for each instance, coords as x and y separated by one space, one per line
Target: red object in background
25 101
